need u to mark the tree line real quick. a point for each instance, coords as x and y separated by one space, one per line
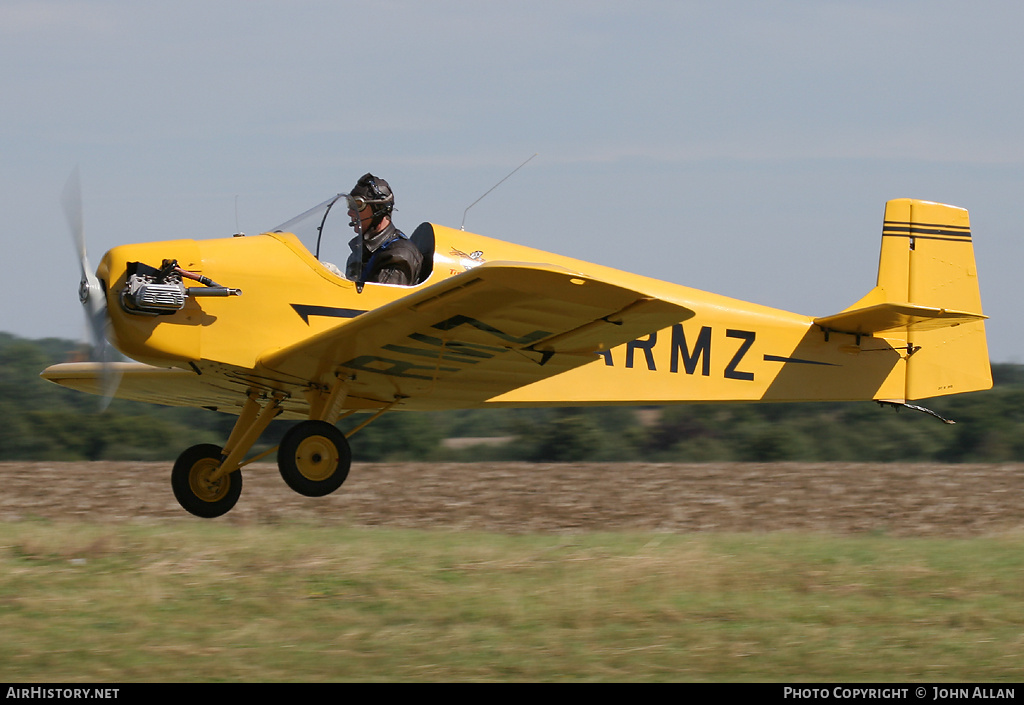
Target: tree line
41 421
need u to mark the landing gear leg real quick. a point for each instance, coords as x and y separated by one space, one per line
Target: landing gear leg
206 478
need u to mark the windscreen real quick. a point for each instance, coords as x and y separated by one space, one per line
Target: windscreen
326 231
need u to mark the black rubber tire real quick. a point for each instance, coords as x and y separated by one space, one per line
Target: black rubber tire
314 458
198 496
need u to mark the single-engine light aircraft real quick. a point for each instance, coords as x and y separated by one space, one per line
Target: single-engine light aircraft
263 327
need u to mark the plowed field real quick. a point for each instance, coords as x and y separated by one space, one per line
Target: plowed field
896 499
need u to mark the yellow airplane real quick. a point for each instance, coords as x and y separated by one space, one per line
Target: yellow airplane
492 324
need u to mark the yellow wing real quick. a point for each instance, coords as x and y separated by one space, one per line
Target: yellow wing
154 385
495 328
455 344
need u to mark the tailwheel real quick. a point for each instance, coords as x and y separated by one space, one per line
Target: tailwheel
193 487
314 458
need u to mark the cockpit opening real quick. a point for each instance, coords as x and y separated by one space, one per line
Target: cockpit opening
332 234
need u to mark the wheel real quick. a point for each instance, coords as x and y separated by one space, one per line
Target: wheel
314 458
193 488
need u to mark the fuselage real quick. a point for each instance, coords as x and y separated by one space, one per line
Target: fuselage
729 350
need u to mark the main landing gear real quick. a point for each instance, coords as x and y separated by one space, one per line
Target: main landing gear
314 457
197 486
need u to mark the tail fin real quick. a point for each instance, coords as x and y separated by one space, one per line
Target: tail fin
927 294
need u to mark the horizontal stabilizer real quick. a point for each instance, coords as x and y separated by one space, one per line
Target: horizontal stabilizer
891 317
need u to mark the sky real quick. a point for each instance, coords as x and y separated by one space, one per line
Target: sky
745 148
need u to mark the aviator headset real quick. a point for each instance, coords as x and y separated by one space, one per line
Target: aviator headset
375 193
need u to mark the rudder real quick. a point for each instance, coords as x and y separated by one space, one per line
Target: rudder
927 259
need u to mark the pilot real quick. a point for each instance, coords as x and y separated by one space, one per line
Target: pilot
385 254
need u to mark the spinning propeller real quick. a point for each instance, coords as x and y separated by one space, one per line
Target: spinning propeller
90 292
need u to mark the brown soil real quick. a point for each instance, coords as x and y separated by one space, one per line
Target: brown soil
837 498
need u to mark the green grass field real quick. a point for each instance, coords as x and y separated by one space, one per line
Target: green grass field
210 602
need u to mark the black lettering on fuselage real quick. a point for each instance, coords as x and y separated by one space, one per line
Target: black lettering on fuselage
747 336
647 345
695 356
701 349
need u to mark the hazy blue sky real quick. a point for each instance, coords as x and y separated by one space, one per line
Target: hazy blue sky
745 148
